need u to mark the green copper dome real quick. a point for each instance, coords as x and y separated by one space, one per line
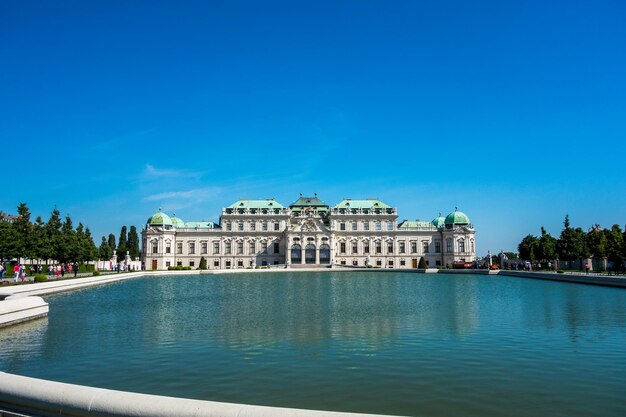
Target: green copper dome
177 223
457 218
159 219
439 221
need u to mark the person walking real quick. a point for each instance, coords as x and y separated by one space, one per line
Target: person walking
2 271
16 272
75 266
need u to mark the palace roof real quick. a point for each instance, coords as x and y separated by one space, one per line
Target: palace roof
414 225
370 203
269 203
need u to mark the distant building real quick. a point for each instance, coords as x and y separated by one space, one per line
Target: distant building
309 232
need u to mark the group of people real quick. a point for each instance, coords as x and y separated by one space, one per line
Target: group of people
19 272
61 269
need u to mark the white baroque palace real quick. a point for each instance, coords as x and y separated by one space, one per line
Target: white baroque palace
309 232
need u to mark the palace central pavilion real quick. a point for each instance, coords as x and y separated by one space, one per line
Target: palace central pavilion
309 232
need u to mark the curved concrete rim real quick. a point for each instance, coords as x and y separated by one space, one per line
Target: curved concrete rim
40 397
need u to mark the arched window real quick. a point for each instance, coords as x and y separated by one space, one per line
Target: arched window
309 253
324 253
296 254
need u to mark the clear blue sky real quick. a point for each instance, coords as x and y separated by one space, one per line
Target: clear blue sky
513 111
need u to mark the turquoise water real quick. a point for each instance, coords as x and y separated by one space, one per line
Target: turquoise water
394 343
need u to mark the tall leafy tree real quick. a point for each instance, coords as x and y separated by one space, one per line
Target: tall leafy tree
614 244
111 242
23 229
7 241
528 248
52 235
105 251
80 246
38 238
596 242
133 243
91 250
546 249
122 244
566 246
66 250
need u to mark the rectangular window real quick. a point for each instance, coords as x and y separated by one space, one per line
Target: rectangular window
437 247
354 247
366 247
192 263
264 247
252 247
402 248
448 245
216 248
425 247
179 248
342 226
192 248
342 247
390 263
239 264
168 264
276 247
379 247
155 247
276 227
228 226
265 227
461 246
343 262
413 246
379 262
227 248
203 248
366 226
253 226
402 262
216 263
168 247
389 247
227 264
354 226
390 226
240 226
239 248
355 262
378 227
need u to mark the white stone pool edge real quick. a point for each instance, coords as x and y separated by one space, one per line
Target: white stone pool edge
23 396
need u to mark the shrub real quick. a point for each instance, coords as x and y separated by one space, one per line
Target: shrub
41 278
96 273
560 271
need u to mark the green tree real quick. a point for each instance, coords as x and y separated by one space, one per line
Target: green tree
23 230
80 249
122 244
528 247
202 263
422 263
546 249
614 244
111 242
133 243
52 236
566 245
596 242
105 251
67 248
7 241
91 251
38 238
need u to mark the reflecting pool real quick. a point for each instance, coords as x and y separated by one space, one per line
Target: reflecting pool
394 343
